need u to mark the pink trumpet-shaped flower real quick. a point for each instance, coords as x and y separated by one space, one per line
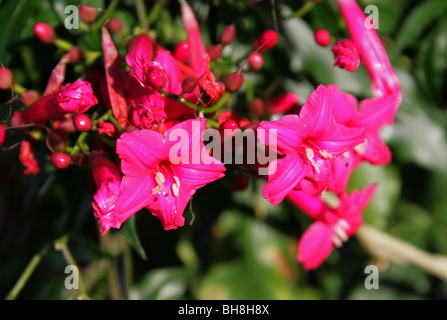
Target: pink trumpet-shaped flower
160 179
332 226
107 178
305 143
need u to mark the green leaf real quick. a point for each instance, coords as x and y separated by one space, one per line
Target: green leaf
162 284
417 21
130 233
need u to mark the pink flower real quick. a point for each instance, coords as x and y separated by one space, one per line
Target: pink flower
372 52
305 143
346 55
107 178
156 177
332 226
73 98
26 157
372 115
140 53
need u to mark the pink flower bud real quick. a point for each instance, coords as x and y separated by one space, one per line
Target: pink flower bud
2 134
82 122
44 32
64 125
156 76
60 160
6 78
75 54
29 97
115 25
234 81
227 35
255 61
257 106
189 84
322 37
77 97
266 41
182 51
227 129
87 13
214 51
346 55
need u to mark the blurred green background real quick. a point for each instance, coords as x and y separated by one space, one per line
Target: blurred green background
238 246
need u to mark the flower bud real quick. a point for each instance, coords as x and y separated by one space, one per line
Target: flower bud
255 61
228 129
227 35
44 32
346 55
156 75
257 106
6 78
2 134
189 84
64 125
322 37
234 81
87 13
266 41
82 122
115 25
214 51
75 54
60 160
182 51
29 97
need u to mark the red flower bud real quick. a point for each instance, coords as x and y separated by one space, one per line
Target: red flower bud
64 125
60 160
255 61
29 97
82 122
156 76
182 51
6 78
87 13
257 106
227 35
44 32
2 134
266 41
234 81
228 129
322 37
346 55
115 25
189 84
214 51
75 54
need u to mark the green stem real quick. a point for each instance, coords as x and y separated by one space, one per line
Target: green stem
100 22
63 44
306 8
141 13
61 245
155 13
18 88
223 99
79 144
26 274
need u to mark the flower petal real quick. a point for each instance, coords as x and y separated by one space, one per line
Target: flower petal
315 245
284 175
140 151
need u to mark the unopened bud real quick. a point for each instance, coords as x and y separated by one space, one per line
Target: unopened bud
87 13
82 122
75 54
322 37
234 81
44 32
115 25
227 35
189 84
60 160
214 51
29 96
266 41
255 61
6 78
182 51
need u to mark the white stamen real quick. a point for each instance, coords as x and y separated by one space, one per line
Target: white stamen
337 242
340 233
343 224
360 148
310 155
175 189
157 189
325 154
160 178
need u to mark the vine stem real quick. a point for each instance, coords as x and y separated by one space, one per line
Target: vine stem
389 248
26 274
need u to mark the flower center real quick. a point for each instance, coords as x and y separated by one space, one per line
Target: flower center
164 176
339 236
